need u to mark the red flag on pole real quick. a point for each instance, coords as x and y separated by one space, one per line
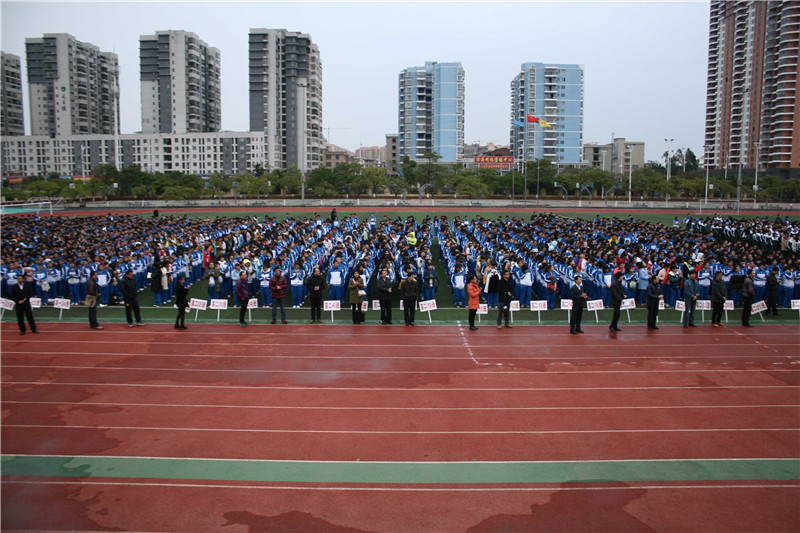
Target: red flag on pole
531 118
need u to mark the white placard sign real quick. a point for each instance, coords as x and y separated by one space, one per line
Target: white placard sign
594 305
427 305
703 305
680 305
796 304
628 303
483 309
513 305
36 303
219 304
758 307
198 303
6 304
661 305
566 304
62 303
252 303
728 305
539 305
365 306
376 305
331 305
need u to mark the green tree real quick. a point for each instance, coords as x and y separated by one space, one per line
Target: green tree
691 161
544 170
177 193
410 172
468 183
128 178
376 178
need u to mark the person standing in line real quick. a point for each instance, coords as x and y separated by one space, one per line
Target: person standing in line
615 299
654 296
130 294
691 291
505 293
578 296
718 296
748 293
772 292
473 300
93 299
181 300
243 295
277 286
410 293
384 285
21 294
356 288
315 283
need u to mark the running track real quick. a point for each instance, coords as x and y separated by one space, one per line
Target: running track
370 428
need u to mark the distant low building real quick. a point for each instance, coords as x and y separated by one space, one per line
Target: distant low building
617 157
333 155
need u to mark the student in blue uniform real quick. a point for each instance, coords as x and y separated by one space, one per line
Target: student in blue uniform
297 279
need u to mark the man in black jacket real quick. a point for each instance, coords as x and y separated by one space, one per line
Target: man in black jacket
772 292
130 294
181 302
410 294
505 293
315 283
578 298
21 294
718 296
653 297
384 286
748 293
617 295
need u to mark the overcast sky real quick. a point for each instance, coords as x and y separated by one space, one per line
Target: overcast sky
645 63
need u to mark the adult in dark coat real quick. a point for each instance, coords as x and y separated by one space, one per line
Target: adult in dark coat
718 296
181 300
748 294
772 292
617 295
93 299
384 286
578 296
277 286
653 297
130 294
243 294
21 293
691 291
315 283
410 294
505 293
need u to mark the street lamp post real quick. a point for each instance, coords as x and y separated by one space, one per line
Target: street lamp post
739 183
630 170
755 187
705 161
669 167
537 180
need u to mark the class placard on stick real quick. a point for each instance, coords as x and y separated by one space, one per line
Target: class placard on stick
331 305
595 305
539 306
428 306
220 304
61 304
627 305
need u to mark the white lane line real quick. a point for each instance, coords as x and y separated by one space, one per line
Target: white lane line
381 408
333 488
603 359
396 389
410 371
395 432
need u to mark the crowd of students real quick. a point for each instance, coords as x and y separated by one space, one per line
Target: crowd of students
57 256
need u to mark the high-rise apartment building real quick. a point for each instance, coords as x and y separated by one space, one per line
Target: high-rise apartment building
73 87
753 74
286 97
180 80
11 95
431 111
553 93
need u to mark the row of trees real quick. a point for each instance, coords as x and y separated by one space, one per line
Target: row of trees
427 177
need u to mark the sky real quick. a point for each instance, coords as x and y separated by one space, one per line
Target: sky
645 63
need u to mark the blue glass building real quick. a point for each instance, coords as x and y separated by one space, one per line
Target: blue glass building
553 93
431 111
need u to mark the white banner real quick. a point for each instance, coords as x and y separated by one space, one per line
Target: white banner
252 303
728 305
628 303
680 305
219 304
566 304
197 303
376 305
539 305
661 305
483 309
703 305
331 305
6 304
594 305
61 303
427 305
514 305
36 303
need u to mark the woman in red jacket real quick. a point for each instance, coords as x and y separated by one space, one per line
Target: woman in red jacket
474 300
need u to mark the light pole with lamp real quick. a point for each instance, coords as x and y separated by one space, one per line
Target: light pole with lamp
707 148
630 170
669 167
755 187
